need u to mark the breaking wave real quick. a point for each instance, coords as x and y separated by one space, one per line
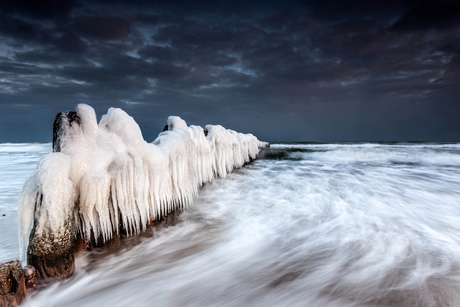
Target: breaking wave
448 154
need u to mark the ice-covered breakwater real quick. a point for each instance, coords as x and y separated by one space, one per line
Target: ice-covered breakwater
103 176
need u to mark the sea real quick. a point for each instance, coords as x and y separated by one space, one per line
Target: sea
306 224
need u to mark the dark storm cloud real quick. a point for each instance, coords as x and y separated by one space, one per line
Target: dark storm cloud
296 70
41 10
23 31
106 28
156 52
422 15
70 43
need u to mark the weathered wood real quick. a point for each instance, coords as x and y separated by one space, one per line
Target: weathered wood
61 123
12 284
52 254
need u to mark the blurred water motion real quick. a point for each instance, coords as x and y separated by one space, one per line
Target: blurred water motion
305 225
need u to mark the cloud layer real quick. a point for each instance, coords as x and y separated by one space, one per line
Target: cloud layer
306 70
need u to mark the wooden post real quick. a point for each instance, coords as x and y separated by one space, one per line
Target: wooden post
53 252
12 283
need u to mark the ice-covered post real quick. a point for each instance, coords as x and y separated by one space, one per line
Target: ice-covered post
51 249
101 178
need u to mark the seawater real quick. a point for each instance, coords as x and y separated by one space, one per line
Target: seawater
17 163
304 225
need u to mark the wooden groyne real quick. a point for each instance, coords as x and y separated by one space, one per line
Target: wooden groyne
103 182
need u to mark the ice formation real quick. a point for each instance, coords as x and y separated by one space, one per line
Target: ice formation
106 174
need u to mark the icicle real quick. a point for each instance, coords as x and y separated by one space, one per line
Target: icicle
107 171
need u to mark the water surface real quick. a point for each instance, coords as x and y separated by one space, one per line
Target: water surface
304 225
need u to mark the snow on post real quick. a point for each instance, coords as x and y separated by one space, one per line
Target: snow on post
106 174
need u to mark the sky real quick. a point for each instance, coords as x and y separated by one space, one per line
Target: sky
321 71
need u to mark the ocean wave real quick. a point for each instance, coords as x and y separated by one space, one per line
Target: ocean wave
284 233
447 155
25 147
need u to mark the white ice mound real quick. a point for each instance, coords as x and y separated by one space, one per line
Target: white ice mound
106 173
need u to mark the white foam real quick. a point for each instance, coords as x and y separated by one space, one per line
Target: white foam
427 154
24 147
294 233
108 171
